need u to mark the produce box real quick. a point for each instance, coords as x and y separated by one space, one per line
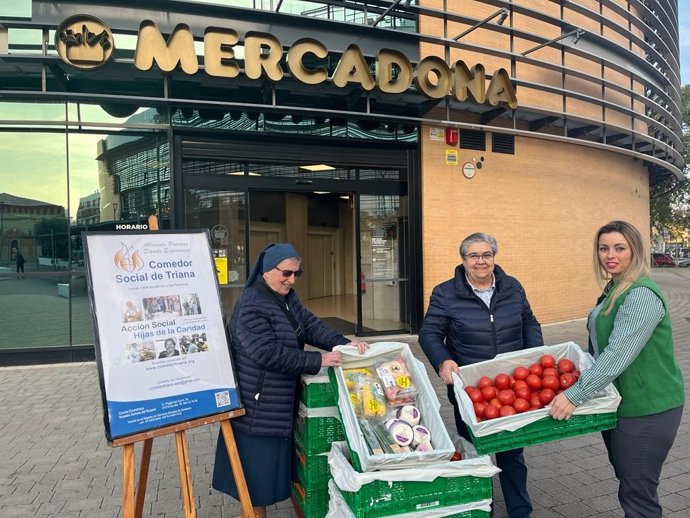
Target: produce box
534 426
317 391
317 428
309 503
338 508
362 457
391 492
312 470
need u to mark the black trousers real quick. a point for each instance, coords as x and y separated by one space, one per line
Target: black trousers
637 449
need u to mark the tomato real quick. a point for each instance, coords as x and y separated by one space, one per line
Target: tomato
507 410
523 392
506 397
476 396
549 371
491 412
521 405
512 381
546 396
533 382
551 382
534 401
470 388
495 403
566 365
547 361
576 373
567 380
489 393
502 381
479 409
520 373
485 381
520 384
535 369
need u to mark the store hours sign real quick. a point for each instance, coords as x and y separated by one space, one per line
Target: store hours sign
161 347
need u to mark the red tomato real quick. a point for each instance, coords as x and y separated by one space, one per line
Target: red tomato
576 373
476 396
567 380
549 371
535 369
512 381
521 405
566 365
520 373
489 393
507 410
520 384
534 401
491 412
479 409
523 392
470 388
506 397
495 402
533 382
547 361
546 396
550 382
485 381
502 381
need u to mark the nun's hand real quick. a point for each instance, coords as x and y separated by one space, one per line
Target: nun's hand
361 346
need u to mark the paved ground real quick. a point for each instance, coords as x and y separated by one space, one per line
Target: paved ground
55 461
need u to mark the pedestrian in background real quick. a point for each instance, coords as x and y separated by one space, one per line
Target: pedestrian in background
631 338
479 313
268 331
20 264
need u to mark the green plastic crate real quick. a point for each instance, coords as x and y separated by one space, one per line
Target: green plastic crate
546 429
312 470
383 498
309 503
315 434
317 395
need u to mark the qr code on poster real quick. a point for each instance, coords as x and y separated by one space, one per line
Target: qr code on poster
222 398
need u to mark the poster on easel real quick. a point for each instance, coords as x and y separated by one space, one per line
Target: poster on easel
161 346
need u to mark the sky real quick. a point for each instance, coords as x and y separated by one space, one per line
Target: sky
684 26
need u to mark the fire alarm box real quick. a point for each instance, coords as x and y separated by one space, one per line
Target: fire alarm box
452 136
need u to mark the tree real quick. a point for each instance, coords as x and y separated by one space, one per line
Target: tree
670 209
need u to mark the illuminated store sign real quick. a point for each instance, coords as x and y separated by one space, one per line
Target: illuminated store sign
393 71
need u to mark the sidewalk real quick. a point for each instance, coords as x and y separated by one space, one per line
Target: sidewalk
57 463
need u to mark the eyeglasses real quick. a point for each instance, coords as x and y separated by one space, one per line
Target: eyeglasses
288 273
487 256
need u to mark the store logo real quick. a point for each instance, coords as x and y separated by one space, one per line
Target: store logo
128 260
84 42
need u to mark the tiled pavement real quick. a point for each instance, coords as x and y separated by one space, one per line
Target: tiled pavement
55 461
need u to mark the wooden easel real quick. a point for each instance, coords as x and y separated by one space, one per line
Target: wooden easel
133 497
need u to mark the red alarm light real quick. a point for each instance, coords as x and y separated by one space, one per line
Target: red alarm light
452 136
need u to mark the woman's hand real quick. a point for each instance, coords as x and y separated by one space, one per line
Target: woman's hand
446 370
361 346
331 359
561 407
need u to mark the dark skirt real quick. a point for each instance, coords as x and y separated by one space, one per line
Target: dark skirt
267 465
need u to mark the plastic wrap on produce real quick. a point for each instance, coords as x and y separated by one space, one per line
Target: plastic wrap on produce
606 402
425 399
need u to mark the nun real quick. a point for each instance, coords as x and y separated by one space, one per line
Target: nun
268 330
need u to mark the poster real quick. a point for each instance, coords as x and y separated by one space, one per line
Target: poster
161 347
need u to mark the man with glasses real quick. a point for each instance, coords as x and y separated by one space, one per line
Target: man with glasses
268 331
479 313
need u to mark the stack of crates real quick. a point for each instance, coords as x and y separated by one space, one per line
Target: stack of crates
317 426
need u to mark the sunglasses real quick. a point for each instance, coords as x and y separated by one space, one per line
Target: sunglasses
288 273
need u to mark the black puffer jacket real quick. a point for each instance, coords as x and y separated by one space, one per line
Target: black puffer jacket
269 358
459 326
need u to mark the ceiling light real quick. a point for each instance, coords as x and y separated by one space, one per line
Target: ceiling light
317 167
322 192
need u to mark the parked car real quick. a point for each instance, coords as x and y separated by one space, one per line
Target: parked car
684 263
660 260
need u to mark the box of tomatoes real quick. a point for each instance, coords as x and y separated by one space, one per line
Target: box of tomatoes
504 401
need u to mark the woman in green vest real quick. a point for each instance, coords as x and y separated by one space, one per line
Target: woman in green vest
632 342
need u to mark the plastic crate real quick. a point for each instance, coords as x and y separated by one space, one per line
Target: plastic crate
317 391
382 498
545 430
312 470
315 434
309 503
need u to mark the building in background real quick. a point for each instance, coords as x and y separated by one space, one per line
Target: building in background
374 145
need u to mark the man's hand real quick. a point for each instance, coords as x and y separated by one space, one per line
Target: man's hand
446 370
561 407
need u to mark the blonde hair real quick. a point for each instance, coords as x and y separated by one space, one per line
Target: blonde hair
639 263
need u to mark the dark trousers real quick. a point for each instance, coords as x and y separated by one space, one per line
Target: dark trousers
637 449
513 475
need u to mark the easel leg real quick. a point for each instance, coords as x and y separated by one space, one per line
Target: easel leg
237 471
128 481
185 475
143 477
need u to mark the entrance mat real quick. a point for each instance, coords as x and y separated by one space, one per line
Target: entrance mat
344 327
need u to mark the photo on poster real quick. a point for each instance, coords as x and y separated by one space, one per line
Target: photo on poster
161 359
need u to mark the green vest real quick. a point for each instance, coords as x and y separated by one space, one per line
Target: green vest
652 383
